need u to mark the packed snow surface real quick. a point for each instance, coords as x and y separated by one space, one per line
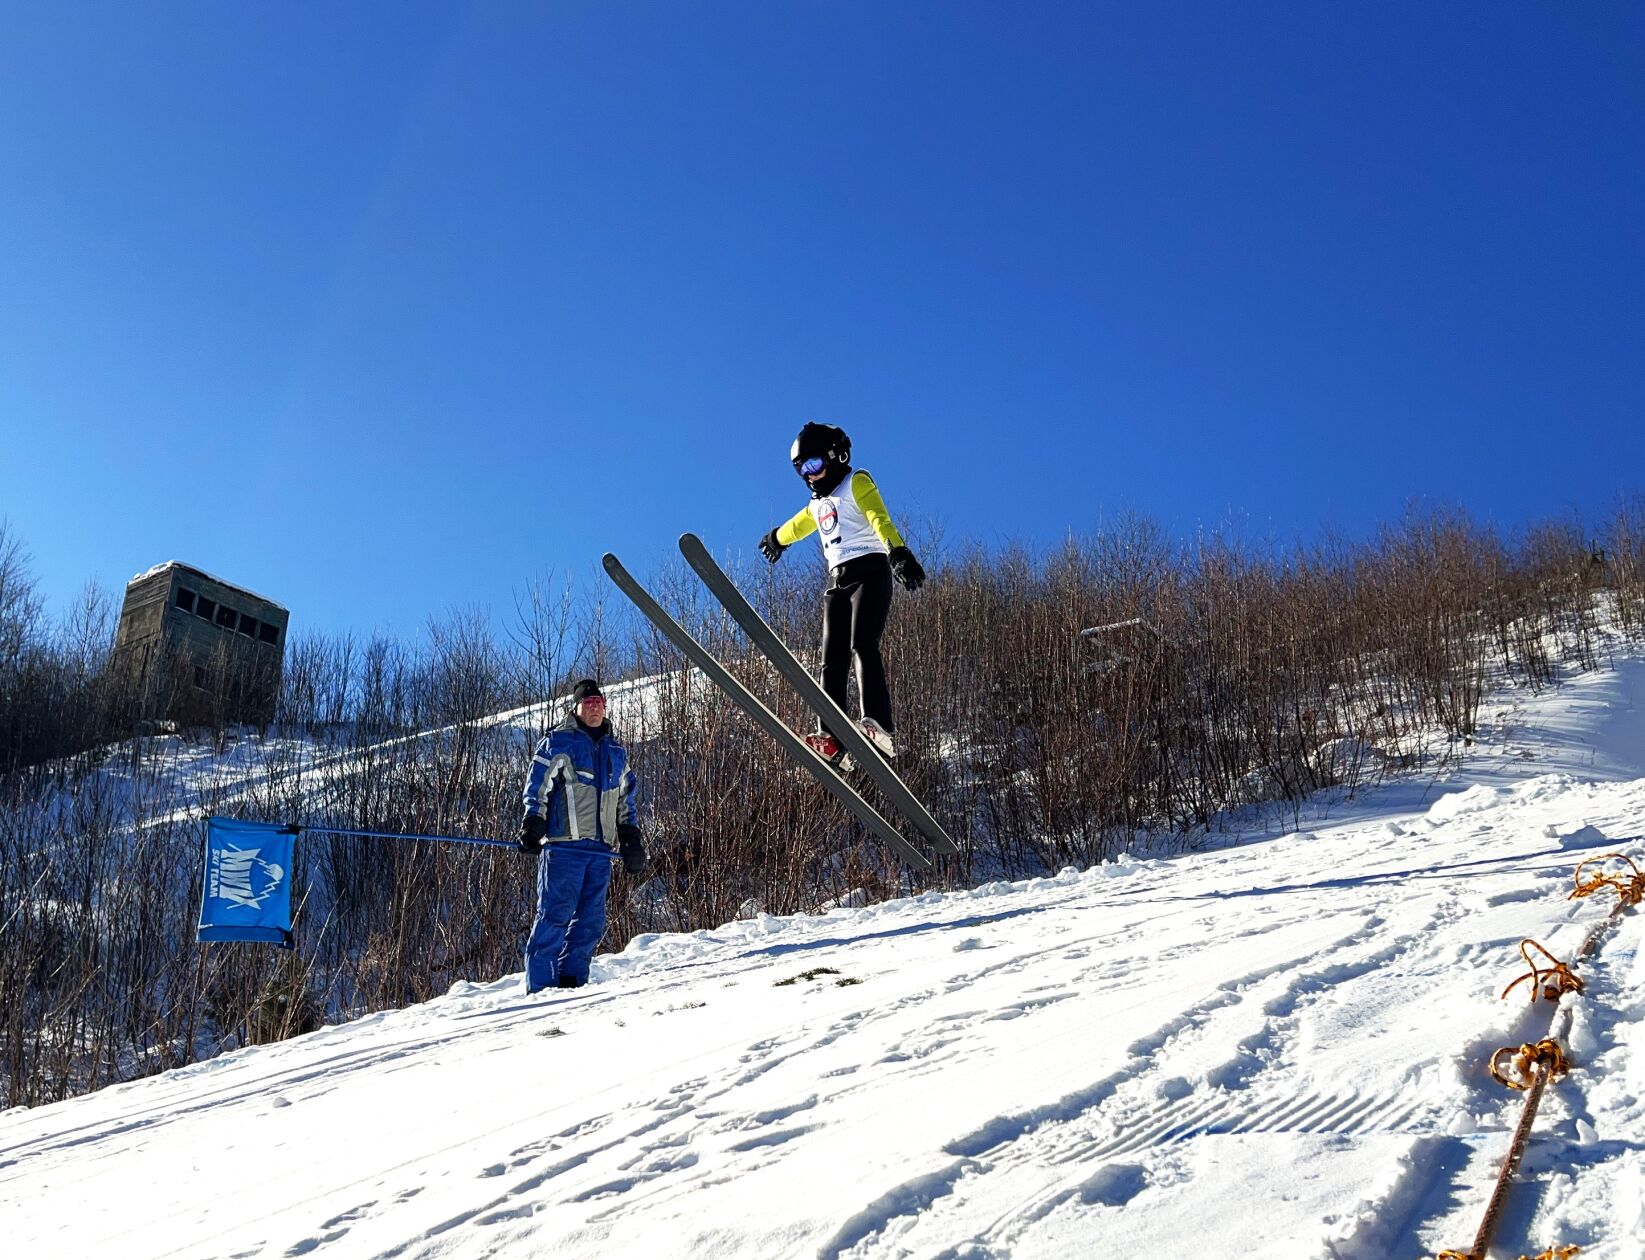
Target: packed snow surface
1271 1046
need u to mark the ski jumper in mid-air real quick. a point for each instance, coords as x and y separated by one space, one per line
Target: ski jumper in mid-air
863 551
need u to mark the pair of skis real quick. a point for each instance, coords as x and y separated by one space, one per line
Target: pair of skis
778 653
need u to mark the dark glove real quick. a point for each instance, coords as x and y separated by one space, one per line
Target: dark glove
906 569
633 851
533 827
770 548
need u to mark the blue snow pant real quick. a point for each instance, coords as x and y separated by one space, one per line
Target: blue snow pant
572 878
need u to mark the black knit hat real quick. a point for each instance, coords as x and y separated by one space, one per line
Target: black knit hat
584 689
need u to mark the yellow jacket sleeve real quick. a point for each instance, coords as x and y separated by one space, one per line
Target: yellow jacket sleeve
873 507
796 527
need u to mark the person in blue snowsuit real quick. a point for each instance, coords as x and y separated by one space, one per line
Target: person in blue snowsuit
579 801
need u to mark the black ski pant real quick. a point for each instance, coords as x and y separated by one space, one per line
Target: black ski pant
855 606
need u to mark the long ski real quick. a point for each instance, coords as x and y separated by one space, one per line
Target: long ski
750 704
788 665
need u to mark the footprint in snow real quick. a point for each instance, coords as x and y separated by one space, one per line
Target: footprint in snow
776 1138
353 1214
1114 1185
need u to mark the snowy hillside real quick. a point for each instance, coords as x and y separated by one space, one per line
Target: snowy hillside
1274 1046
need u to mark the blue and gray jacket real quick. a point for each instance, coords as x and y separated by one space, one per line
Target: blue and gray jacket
580 784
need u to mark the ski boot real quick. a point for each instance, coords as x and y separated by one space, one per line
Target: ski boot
880 738
829 749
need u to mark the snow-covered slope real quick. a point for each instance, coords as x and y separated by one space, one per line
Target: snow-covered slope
1272 1048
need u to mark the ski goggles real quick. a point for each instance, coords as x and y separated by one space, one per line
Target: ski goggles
811 467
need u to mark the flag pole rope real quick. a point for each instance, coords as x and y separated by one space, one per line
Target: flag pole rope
396 835
412 835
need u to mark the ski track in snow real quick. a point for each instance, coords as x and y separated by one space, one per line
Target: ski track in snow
1275 1044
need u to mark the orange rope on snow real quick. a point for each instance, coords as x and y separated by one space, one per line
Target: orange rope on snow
1530 1067
1560 978
1629 891
1553 1253
1523 1061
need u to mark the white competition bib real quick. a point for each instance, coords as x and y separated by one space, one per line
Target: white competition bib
843 526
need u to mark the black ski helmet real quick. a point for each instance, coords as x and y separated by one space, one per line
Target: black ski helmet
825 441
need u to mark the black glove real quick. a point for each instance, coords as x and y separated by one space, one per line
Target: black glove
770 548
633 851
533 827
906 569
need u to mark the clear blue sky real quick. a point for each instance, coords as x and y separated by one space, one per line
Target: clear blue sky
383 308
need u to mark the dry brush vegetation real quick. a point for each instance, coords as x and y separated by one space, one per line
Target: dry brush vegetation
1051 708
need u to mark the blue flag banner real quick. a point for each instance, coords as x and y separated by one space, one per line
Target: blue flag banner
246 892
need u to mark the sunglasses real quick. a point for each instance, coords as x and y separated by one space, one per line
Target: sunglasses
811 467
